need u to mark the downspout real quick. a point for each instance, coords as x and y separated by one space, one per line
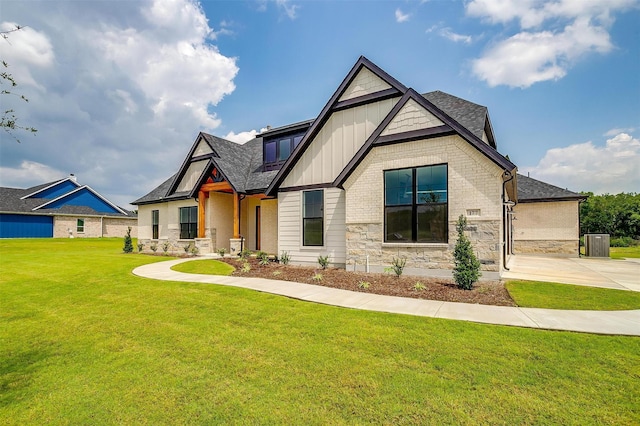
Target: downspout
504 218
101 227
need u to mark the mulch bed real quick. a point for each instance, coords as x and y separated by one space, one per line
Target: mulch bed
484 292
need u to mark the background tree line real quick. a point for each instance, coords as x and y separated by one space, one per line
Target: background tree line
617 215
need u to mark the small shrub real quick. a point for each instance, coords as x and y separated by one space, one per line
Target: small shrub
285 258
323 261
364 285
165 247
153 247
244 254
221 251
317 277
397 266
419 286
128 244
246 267
187 248
263 258
276 273
194 250
140 247
622 242
467 266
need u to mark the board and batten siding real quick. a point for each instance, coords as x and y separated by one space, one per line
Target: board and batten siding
337 142
290 228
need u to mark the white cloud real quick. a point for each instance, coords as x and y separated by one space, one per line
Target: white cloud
614 132
289 9
554 35
450 35
28 174
285 6
529 58
122 98
243 137
402 17
611 168
24 49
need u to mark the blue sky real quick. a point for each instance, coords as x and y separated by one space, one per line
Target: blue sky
119 90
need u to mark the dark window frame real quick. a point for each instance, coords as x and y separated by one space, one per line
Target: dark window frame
155 224
417 207
294 140
307 220
188 229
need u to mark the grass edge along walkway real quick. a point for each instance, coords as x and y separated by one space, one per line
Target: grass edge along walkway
602 322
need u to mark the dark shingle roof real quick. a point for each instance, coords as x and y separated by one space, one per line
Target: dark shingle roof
470 115
531 190
11 202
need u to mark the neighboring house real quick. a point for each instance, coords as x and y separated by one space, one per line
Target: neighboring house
382 172
547 219
61 209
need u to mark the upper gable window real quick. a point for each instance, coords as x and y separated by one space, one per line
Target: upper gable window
277 149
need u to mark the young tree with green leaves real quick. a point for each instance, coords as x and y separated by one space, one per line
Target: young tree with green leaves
467 266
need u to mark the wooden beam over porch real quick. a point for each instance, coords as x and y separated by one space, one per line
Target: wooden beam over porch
216 186
202 201
236 215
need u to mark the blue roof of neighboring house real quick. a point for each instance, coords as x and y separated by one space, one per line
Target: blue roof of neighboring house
64 196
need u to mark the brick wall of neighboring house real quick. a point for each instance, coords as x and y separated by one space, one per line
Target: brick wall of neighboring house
94 227
474 186
546 228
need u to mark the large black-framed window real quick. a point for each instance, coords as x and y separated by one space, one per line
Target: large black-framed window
188 223
278 149
416 205
155 224
313 218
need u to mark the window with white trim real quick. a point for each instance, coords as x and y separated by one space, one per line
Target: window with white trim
80 225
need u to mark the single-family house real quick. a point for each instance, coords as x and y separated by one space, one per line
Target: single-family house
61 209
382 172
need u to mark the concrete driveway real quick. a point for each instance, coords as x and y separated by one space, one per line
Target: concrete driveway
594 272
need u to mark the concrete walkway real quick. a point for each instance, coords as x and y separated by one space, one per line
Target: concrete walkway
594 272
602 322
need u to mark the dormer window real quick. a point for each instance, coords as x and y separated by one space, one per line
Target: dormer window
278 148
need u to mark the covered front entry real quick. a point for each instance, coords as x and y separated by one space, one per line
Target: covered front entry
234 221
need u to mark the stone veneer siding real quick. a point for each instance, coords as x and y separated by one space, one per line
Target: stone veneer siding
474 183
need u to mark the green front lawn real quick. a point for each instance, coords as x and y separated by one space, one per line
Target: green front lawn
84 341
623 252
207 266
537 294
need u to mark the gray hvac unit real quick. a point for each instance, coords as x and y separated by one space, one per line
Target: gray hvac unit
596 245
